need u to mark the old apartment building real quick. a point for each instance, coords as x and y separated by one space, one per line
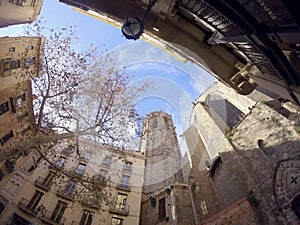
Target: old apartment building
243 170
13 12
49 196
20 59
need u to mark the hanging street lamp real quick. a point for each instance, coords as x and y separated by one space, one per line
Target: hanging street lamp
133 27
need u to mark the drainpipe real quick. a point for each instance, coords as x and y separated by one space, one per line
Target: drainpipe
193 205
173 206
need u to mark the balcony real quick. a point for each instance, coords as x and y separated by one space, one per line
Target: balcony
43 184
119 208
124 187
127 168
106 164
91 203
50 219
99 179
24 205
63 193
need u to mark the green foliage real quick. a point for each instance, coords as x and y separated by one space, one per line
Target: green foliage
153 202
193 186
230 134
297 129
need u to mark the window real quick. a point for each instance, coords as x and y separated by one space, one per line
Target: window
2 207
87 218
30 47
125 181
69 150
4 108
19 101
35 200
154 122
22 116
162 208
6 137
106 161
121 202
60 162
48 179
128 166
166 121
102 176
116 221
26 130
29 61
296 206
31 169
71 187
11 64
1 174
12 49
58 212
86 156
80 168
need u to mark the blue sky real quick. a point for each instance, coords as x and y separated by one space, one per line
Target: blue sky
175 84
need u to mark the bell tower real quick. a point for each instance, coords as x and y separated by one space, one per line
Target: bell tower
163 158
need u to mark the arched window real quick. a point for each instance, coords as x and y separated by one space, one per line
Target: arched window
296 206
2 207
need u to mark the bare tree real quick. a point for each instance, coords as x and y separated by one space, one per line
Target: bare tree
78 94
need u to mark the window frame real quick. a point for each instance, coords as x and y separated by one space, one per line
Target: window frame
58 211
61 162
35 200
4 107
29 61
12 49
80 168
87 218
118 221
6 137
71 187
162 208
125 181
11 64
128 166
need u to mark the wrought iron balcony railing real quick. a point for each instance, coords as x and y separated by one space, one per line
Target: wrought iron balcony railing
119 208
50 218
42 183
124 187
24 205
91 203
63 193
74 223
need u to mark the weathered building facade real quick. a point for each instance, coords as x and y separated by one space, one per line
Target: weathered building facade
53 191
243 43
252 166
13 12
20 60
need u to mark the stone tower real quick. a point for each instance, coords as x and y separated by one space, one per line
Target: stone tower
163 158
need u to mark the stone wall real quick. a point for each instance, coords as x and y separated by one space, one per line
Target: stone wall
163 157
261 163
239 213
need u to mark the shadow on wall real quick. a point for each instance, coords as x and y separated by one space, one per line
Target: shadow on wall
269 176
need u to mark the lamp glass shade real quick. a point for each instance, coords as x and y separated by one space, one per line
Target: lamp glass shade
132 28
